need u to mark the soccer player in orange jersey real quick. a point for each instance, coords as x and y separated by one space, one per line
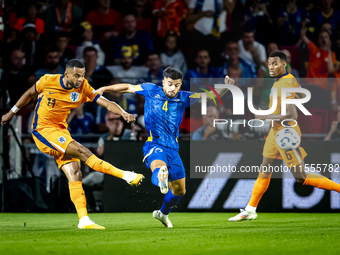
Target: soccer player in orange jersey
272 152
57 95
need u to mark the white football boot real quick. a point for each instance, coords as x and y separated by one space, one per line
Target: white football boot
158 215
163 179
86 223
244 215
133 178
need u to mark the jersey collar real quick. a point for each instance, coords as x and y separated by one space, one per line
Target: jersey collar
62 84
278 78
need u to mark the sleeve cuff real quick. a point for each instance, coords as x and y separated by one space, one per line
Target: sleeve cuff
96 98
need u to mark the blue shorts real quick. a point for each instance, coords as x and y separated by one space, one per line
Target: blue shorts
171 158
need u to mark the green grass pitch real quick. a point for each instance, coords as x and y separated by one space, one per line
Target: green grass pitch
193 233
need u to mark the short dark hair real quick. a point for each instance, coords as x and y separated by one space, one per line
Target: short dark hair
172 73
90 48
248 30
62 34
74 63
153 52
51 49
279 54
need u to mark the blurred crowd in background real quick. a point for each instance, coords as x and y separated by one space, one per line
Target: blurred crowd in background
132 41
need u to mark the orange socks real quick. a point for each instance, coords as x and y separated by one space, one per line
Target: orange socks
78 197
104 167
260 187
321 182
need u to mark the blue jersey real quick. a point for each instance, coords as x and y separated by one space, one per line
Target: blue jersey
162 115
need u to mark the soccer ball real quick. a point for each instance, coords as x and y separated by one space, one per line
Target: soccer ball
288 139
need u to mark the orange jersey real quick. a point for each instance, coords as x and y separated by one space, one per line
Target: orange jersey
285 81
55 101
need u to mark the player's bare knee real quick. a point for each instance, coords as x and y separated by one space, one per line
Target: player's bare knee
179 192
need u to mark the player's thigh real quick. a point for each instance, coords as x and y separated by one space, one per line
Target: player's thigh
72 171
78 151
52 141
176 172
155 156
267 164
270 151
178 187
298 172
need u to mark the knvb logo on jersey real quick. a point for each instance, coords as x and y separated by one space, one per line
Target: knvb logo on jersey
61 139
238 101
74 96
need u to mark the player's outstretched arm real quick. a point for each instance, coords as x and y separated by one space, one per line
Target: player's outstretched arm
120 88
220 92
115 108
23 100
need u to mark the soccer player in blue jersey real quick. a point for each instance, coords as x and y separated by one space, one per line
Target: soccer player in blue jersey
163 112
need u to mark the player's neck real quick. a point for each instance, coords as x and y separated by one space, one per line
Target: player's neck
66 83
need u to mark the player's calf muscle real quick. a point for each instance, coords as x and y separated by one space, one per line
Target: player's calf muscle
72 171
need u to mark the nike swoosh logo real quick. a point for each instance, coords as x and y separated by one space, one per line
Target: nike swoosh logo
50 93
101 163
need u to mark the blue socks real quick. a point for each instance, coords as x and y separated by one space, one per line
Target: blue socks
169 201
154 177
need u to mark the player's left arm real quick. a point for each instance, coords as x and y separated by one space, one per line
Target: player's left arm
290 114
115 108
220 92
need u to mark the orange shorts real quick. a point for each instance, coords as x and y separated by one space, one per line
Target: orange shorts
54 141
272 150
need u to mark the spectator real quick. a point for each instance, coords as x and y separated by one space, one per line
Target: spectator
17 76
126 104
322 60
288 66
172 56
209 17
334 132
207 20
244 68
81 123
31 16
143 23
203 69
117 131
65 52
62 16
257 18
27 42
326 15
138 42
126 72
87 41
208 131
154 63
169 14
96 74
253 51
290 21
52 65
106 22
